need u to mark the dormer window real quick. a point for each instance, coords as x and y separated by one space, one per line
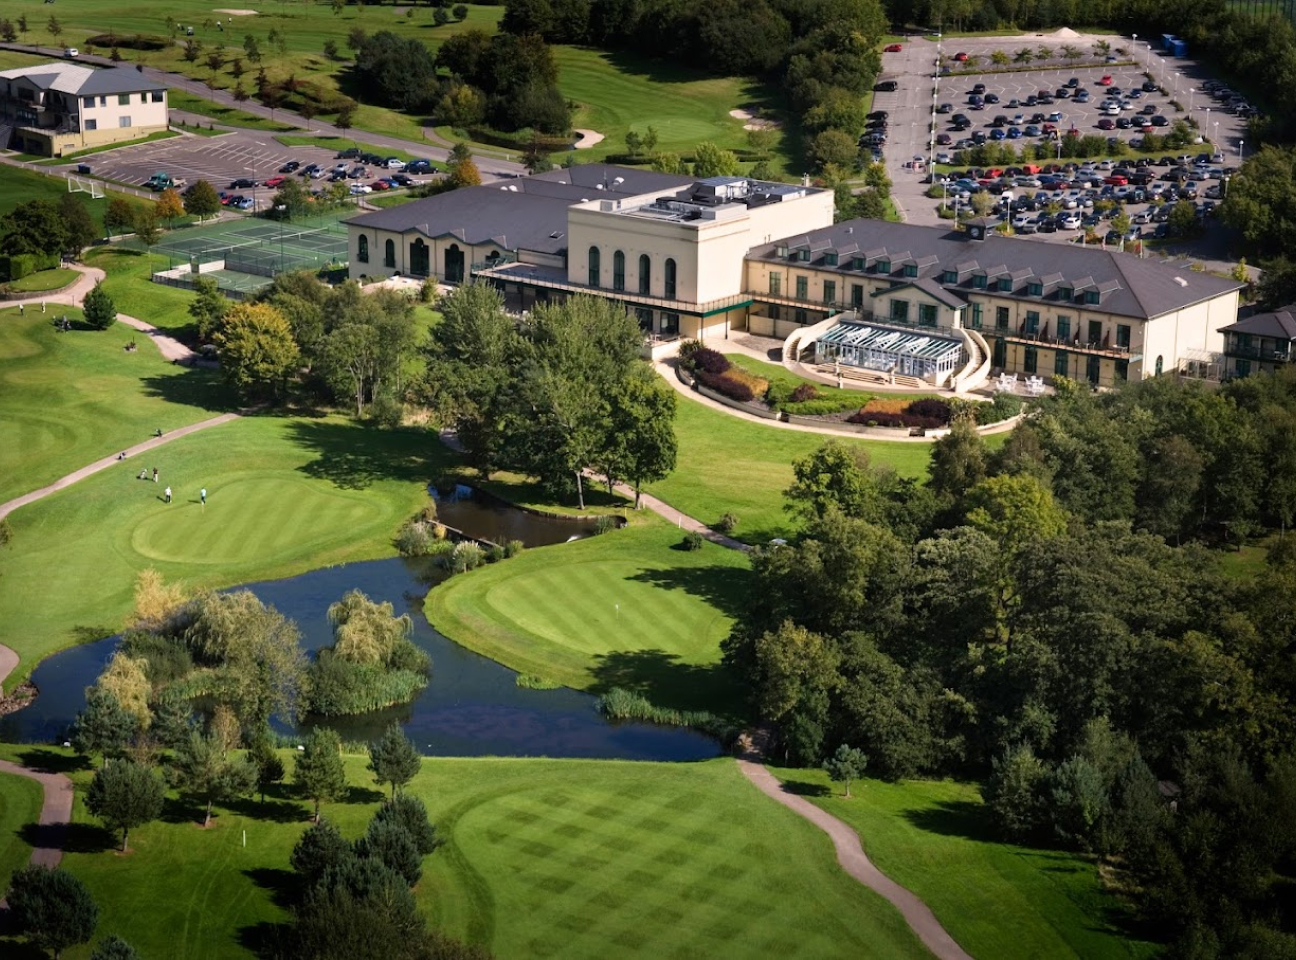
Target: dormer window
1091 296
882 266
979 281
830 258
1035 289
781 251
1066 293
911 270
1005 284
949 276
857 263
803 255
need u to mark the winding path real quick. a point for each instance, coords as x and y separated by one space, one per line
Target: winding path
850 854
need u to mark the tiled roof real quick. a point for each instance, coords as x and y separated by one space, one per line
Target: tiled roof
1278 324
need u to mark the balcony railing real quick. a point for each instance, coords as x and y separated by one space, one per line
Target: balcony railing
1070 343
1254 352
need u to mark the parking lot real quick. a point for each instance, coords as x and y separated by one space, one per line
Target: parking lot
910 109
218 160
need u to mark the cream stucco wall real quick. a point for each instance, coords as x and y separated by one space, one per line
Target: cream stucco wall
1198 327
377 265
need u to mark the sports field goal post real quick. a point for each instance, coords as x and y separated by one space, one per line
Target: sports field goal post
85 185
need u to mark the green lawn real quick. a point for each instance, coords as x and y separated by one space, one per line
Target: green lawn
545 858
341 143
220 113
285 495
128 282
999 901
626 609
43 281
729 464
18 186
777 373
68 399
20 804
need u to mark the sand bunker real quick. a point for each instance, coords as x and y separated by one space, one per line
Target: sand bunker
588 138
237 13
753 122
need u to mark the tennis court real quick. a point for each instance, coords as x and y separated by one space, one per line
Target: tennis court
261 247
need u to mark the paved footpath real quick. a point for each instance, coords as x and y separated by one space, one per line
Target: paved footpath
850 854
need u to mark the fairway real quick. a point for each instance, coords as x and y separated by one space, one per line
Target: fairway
998 900
285 495
68 399
623 609
20 803
729 464
544 858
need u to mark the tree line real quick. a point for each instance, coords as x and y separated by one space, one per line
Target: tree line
1052 618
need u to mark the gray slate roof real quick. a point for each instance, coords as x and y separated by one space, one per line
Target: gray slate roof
1278 324
522 213
82 80
1130 286
108 80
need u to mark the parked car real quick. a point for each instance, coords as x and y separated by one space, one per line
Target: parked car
359 189
884 86
242 183
395 164
348 154
1106 123
380 185
275 182
401 179
1160 121
1106 80
243 203
356 172
891 48
71 52
290 167
960 57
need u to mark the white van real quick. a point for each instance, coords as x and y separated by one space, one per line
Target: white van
71 52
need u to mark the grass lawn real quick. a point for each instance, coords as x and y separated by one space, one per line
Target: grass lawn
1248 562
67 399
626 609
729 464
20 804
777 373
997 900
18 186
285 495
128 282
43 281
544 858
220 113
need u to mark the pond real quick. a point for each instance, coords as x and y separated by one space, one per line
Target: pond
471 707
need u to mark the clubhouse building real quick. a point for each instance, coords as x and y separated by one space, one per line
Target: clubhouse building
710 257
59 108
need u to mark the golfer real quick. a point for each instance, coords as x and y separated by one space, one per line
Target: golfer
166 494
202 495
155 474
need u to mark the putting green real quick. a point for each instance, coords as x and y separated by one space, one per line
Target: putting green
623 609
271 518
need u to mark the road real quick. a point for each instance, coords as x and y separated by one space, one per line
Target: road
490 167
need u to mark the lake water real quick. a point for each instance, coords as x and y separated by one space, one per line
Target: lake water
471 707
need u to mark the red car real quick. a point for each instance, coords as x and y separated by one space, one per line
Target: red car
380 185
893 48
1106 123
1106 81
275 181
1116 180
960 57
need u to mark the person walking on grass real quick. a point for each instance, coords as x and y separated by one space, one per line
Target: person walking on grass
166 495
155 474
202 496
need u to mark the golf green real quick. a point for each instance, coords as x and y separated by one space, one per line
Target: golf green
68 399
567 859
624 609
285 495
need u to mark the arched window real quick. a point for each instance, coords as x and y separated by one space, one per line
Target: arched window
645 274
1158 366
618 271
594 269
362 251
670 279
389 254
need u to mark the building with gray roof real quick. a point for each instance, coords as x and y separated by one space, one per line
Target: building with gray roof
1262 343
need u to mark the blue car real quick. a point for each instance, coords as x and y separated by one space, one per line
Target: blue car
1014 133
997 134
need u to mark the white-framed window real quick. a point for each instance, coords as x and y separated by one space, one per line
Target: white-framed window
124 121
91 125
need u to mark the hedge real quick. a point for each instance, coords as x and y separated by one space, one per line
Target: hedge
722 384
19 265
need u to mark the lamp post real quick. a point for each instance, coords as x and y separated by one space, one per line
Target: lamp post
1241 145
1208 125
1192 97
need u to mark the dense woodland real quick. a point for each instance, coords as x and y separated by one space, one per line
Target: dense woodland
1052 618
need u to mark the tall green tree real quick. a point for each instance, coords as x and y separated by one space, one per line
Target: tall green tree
35 226
201 770
125 794
98 307
957 460
845 765
201 200
113 948
711 161
103 727
269 768
52 908
208 307
79 227
319 774
643 447
258 353
393 759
